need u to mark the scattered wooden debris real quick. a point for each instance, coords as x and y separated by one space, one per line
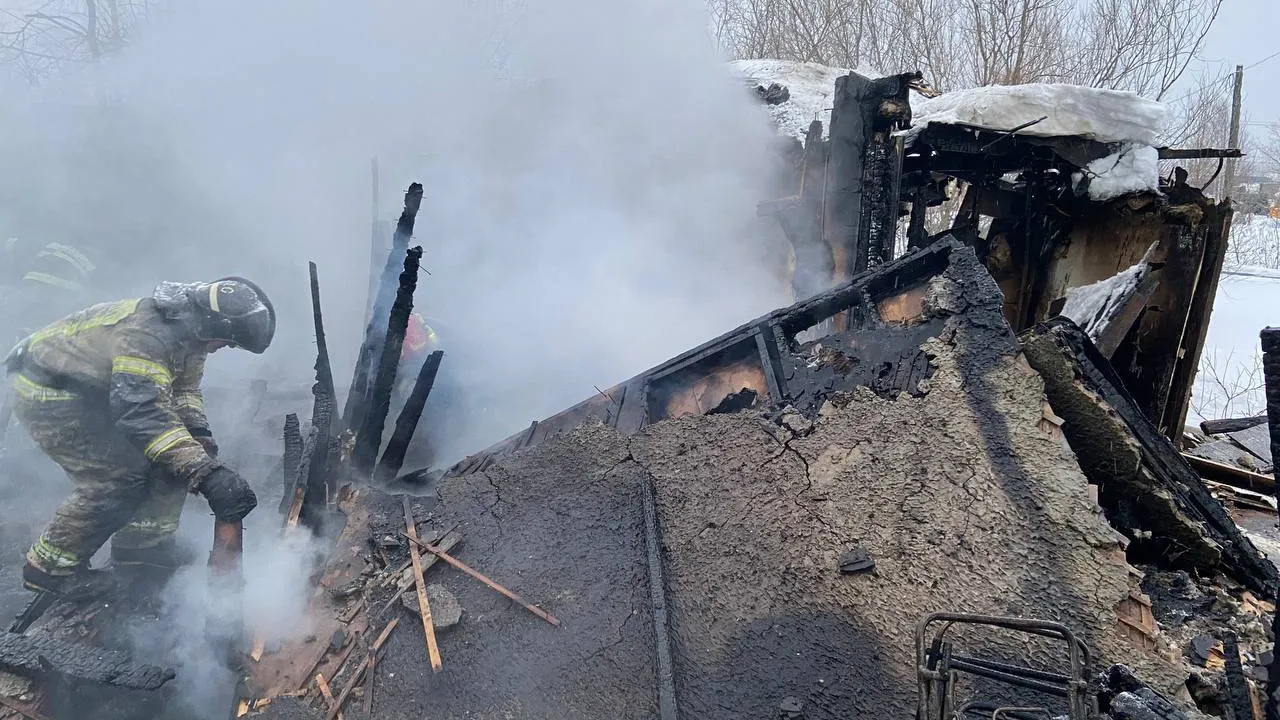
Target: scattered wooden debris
328 694
424 606
403 578
464 568
359 672
1241 497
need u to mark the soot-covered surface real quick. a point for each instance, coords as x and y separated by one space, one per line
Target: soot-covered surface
563 527
754 517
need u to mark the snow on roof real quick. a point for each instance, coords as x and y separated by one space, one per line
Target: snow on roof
812 87
1133 169
1069 110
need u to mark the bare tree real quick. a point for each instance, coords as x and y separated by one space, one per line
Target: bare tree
1226 388
1144 46
54 34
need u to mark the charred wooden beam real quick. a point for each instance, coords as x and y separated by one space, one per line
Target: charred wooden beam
1198 154
369 437
407 423
1186 354
1230 425
37 656
293 449
892 309
319 480
353 415
1270 338
1144 483
864 171
324 372
1126 314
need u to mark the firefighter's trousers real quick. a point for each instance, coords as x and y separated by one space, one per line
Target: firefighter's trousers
117 493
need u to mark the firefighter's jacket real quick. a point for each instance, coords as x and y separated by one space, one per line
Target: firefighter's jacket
140 359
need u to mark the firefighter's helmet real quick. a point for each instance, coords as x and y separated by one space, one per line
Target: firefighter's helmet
236 311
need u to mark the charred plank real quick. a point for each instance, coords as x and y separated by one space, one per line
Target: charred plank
1230 425
393 457
293 449
36 656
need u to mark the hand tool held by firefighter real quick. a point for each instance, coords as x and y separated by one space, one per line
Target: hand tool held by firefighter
229 496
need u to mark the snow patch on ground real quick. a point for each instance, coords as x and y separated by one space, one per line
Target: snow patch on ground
812 87
1069 110
1134 169
1093 306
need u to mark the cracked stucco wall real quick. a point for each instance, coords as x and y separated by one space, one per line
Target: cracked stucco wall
965 503
964 497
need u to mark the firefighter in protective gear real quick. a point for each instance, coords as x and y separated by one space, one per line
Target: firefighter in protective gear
112 394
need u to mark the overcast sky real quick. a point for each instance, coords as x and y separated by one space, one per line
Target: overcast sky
1246 32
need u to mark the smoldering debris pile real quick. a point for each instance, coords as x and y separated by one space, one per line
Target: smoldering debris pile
757 527
919 492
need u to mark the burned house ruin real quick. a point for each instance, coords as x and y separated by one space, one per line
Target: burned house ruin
946 481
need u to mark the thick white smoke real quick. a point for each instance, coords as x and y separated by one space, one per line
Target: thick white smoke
591 172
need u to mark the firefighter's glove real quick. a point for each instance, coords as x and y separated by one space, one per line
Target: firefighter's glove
229 496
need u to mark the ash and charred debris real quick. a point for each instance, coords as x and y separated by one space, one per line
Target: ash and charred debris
927 334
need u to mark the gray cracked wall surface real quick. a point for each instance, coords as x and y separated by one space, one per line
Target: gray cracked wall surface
754 515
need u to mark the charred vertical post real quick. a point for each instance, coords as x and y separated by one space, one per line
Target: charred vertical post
407 423
864 170
320 483
1271 375
357 405
292 457
324 372
1218 230
369 437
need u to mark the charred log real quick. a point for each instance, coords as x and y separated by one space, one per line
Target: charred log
369 436
37 656
1230 425
324 373
393 457
375 332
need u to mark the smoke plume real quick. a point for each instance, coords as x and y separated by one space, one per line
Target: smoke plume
591 173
